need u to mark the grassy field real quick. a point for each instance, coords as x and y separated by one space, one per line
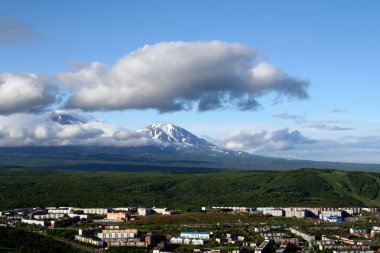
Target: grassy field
20 187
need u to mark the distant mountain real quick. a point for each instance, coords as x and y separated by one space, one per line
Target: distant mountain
173 148
168 134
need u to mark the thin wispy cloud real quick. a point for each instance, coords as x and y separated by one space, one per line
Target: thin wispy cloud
327 127
362 149
14 32
330 125
286 115
338 110
325 124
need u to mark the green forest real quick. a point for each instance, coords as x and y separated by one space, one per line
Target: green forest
23 187
18 240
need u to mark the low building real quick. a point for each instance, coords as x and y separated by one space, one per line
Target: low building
265 247
89 231
163 211
274 212
327 213
34 222
117 216
298 213
195 235
63 222
231 236
353 251
117 233
130 242
64 210
273 235
221 240
331 218
176 240
371 209
99 211
361 232
197 241
144 211
49 216
182 240
206 208
113 237
375 231
262 229
195 238
302 234
93 241
250 244
81 216
149 238
353 210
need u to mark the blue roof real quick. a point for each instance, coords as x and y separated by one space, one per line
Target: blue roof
333 217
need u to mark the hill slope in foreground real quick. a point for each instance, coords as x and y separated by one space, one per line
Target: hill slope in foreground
20 187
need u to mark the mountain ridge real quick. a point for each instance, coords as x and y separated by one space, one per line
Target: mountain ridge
173 149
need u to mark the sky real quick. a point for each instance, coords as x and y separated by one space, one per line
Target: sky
293 79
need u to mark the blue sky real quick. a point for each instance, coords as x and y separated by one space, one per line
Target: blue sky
334 45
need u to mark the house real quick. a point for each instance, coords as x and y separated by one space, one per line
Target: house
117 216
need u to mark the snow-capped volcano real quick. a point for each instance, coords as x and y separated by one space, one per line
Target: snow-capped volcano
65 119
170 134
165 136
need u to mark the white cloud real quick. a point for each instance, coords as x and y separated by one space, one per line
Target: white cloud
17 133
21 92
172 76
261 141
41 130
77 132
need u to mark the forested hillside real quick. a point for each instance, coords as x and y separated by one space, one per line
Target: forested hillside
306 187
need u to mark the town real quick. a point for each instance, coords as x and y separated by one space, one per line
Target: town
211 229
